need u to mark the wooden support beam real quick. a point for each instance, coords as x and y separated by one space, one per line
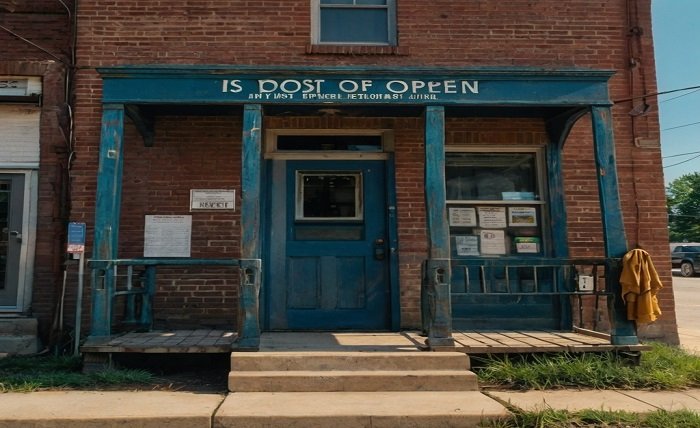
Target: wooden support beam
623 331
107 209
438 269
249 296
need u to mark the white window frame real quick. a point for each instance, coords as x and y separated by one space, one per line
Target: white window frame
391 24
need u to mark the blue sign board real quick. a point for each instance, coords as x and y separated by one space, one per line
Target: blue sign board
76 237
444 86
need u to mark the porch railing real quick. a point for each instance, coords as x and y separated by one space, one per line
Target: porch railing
135 281
573 279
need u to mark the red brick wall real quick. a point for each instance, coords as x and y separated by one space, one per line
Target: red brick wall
545 33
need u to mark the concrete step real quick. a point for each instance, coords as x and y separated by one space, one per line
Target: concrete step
354 380
357 409
279 361
18 336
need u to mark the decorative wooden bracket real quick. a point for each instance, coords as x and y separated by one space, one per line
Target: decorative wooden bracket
145 123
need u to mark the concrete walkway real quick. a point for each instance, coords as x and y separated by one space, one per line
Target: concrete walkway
146 409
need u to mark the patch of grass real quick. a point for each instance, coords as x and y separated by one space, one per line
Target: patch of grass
663 367
26 374
551 418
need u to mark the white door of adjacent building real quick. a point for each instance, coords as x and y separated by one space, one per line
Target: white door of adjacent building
19 164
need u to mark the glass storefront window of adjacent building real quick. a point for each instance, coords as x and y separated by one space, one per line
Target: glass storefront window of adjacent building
495 202
364 22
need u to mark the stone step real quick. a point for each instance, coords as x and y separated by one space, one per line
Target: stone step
18 336
352 380
280 361
357 409
19 345
18 326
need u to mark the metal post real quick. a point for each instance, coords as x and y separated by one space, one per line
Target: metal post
79 303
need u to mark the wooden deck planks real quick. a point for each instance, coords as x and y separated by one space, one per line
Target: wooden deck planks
500 342
177 341
467 341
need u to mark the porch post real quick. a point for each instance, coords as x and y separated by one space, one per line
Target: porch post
438 268
623 331
107 208
248 298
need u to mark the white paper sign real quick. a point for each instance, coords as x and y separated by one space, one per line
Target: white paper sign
467 245
462 217
493 242
167 236
492 217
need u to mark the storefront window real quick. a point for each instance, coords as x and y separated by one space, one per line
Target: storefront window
495 204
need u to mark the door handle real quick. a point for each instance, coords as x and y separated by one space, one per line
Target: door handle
17 235
379 251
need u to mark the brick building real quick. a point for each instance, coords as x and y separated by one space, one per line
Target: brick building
35 127
350 149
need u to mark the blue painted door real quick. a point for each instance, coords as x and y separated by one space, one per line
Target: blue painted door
328 246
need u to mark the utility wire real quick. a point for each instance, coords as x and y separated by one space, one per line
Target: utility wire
63 61
679 96
680 154
622 100
687 160
681 126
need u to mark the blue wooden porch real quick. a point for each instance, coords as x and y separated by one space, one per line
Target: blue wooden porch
560 97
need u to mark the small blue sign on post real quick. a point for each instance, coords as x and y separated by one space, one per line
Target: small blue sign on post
76 238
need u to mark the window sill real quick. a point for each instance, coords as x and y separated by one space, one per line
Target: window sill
355 50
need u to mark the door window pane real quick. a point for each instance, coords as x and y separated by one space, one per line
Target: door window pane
328 196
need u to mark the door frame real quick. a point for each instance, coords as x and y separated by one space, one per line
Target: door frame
387 155
25 267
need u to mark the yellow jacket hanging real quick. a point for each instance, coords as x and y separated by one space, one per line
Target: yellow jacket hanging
640 283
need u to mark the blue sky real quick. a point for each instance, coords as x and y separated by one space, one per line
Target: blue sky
676 30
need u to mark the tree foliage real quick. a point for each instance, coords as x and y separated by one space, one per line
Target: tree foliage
683 202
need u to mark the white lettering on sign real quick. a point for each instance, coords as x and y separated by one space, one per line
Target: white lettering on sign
350 89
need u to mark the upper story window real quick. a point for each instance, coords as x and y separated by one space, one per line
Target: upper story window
364 22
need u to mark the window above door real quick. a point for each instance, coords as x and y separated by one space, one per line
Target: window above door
357 22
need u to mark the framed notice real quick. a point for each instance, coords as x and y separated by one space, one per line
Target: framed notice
462 217
493 242
492 217
527 245
522 216
167 236
467 245
212 199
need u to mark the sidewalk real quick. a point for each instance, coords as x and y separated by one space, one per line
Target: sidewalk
151 409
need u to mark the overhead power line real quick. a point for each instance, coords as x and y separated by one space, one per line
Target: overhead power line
680 154
679 96
687 160
637 97
681 126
